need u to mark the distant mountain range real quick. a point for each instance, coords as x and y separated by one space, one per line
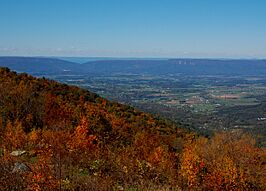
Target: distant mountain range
35 65
42 65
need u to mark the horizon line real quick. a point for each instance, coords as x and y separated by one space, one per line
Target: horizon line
139 58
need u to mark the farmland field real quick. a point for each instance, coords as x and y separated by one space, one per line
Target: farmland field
202 103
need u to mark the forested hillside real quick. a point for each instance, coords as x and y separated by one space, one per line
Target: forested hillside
58 137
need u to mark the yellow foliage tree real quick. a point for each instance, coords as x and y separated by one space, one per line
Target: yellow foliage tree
14 136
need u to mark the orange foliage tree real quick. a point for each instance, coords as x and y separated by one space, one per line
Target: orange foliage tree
14 137
229 161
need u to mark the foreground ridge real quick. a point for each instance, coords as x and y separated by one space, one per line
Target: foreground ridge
59 137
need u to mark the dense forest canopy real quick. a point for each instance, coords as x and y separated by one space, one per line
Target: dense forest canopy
59 137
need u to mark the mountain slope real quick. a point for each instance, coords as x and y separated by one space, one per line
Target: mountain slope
39 65
58 137
179 66
39 114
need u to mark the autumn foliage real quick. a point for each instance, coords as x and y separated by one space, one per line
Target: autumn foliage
76 140
229 161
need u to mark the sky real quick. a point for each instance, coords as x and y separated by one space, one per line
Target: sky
134 28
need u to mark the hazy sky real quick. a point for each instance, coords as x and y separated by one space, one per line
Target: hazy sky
134 28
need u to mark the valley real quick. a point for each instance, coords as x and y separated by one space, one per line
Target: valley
204 95
203 103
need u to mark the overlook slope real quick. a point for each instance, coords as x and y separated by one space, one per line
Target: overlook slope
58 137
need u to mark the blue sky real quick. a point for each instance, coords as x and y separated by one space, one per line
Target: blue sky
134 28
